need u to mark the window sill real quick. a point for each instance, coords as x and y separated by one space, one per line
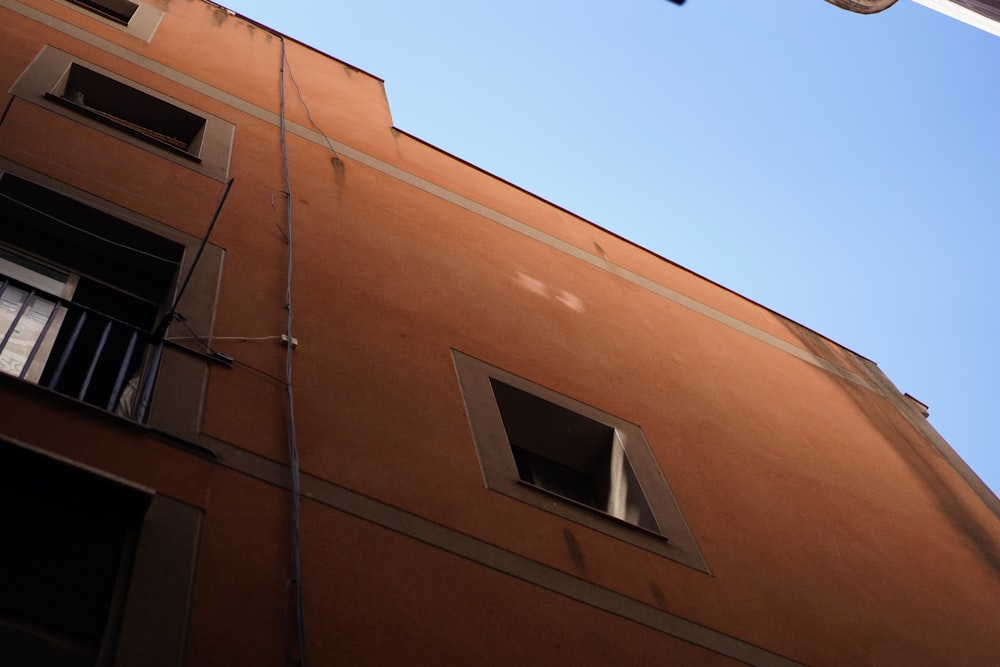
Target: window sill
582 507
40 83
122 126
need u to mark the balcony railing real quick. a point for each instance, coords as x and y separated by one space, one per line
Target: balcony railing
76 350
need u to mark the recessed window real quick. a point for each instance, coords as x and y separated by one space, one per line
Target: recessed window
572 456
69 541
87 561
81 294
563 456
89 285
138 18
116 10
100 100
142 115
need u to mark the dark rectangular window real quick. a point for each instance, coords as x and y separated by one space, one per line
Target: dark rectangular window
69 540
563 456
130 110
116 10
100 100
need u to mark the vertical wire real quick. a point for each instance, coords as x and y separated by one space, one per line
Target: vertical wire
6 109
293 457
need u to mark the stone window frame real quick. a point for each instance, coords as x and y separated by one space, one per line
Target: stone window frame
674 540
40 84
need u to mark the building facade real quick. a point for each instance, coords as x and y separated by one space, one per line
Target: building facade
283 384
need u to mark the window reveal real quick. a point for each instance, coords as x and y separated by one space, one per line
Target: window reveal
565 457
103 101
120 11
133 111
572 456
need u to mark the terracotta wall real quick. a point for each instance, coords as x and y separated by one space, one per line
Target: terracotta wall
835 531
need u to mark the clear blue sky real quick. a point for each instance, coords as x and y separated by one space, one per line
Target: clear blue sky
840 169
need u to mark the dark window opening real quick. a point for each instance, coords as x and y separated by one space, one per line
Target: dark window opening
81 294
557 454
116 10
553 476
140 114
572 456
69 541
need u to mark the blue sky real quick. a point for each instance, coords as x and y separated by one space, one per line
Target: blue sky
840 169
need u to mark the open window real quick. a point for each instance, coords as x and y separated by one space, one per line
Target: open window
120 11
138 18
81 295
563 456
93 571
133 111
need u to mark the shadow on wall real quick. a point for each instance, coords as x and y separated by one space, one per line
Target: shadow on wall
913 447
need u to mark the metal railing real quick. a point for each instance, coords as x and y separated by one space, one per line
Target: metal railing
75 350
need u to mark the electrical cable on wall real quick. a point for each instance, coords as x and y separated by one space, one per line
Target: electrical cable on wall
209 350
298 93
295 582
201 249
274 209
243 339
6 108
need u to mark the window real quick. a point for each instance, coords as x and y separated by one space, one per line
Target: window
571 456
116 10
574 460
91 281
81 294
92 569
69 540
139 19
103 101
130 110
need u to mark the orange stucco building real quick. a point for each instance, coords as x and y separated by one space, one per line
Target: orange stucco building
501 435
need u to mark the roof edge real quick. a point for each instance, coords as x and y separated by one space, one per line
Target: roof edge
626 240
